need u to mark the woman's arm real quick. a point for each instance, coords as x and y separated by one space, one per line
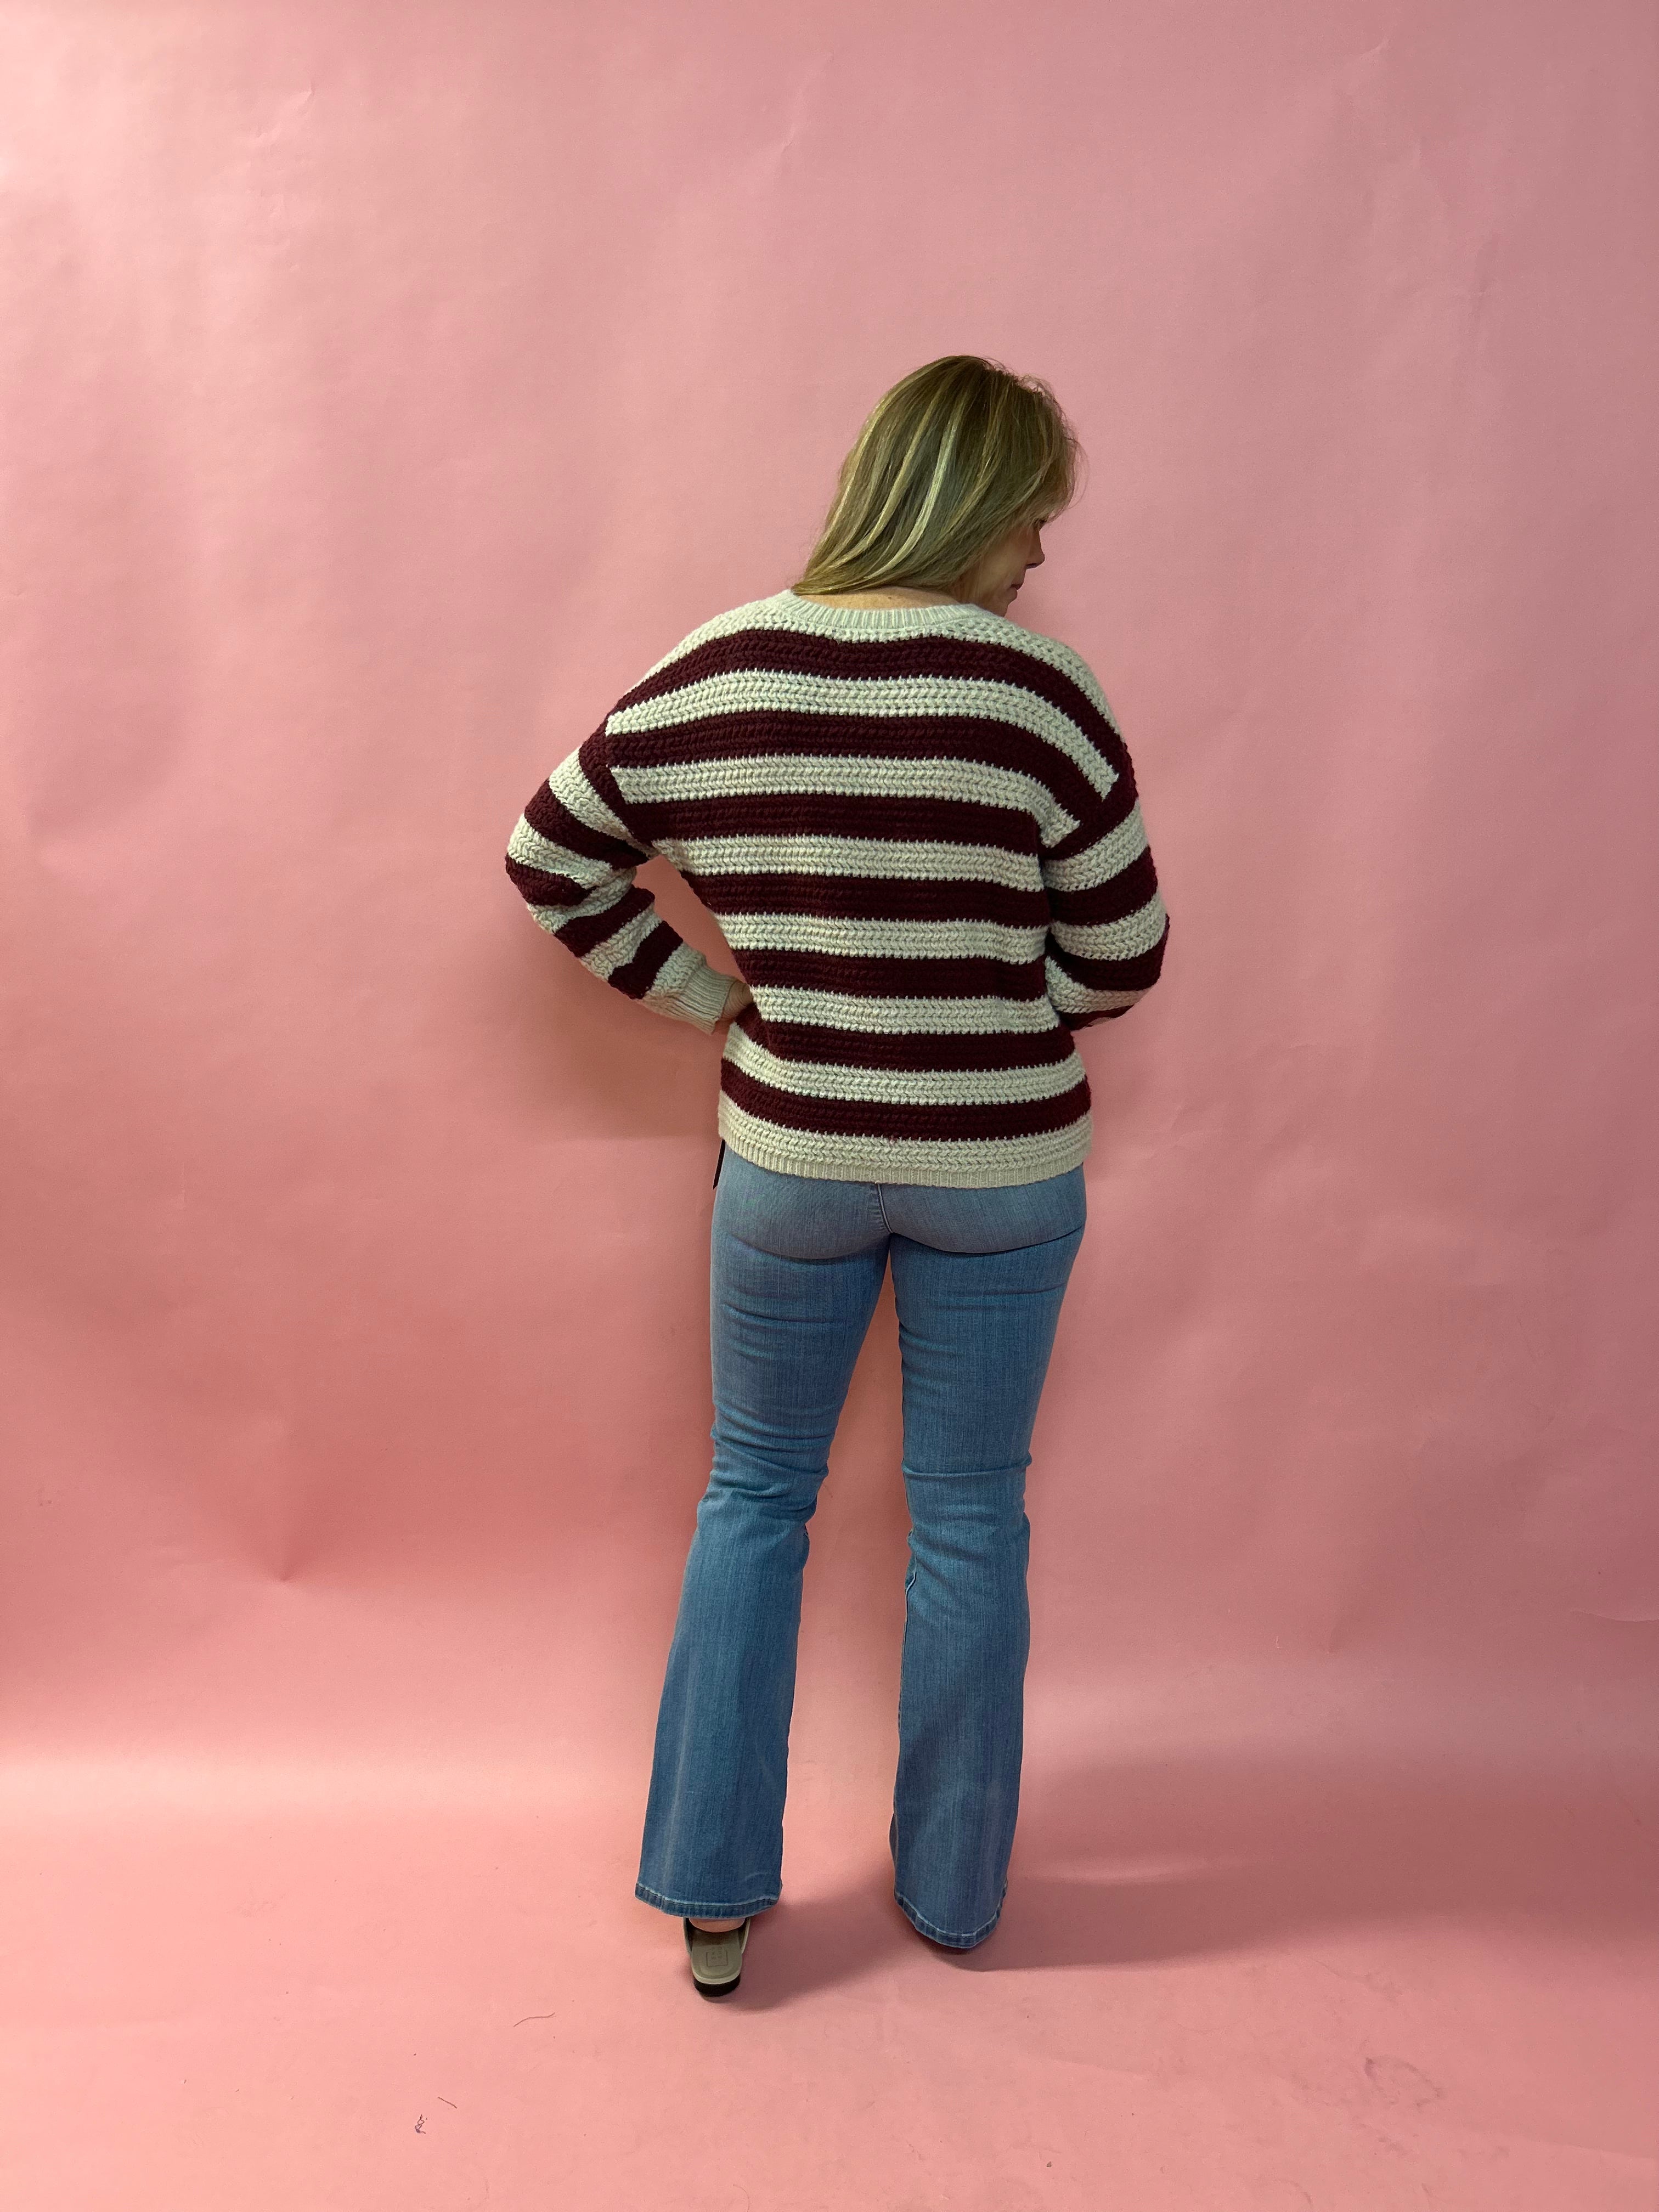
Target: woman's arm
573 860
1109 926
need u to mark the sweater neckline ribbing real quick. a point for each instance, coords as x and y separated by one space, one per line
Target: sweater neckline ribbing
813 614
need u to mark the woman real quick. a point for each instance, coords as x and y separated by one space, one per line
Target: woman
919 829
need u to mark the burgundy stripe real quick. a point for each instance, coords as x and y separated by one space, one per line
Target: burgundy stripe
1106 814
835 814
873 898
635 976
1100 1014
768 734
591 929
871 978
948 654
1136 972
982 1051
553 818
865 1117
542 888
1124 893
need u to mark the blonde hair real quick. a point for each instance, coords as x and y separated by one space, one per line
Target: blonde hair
950 460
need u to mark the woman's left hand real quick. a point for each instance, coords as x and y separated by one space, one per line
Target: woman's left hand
738 995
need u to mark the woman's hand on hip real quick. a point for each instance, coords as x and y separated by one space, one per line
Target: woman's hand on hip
737 996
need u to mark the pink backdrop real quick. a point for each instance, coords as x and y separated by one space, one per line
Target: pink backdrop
382 390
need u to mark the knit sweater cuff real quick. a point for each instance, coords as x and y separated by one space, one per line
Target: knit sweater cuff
700 1000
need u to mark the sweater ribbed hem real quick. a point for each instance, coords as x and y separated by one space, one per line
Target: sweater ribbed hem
984 1164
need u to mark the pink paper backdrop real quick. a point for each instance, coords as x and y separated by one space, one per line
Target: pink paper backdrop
382 390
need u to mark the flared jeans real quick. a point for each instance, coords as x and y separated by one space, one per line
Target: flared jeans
798 1264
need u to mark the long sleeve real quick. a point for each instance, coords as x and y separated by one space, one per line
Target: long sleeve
574 859
1108 927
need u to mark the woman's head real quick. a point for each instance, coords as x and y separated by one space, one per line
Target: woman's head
947 485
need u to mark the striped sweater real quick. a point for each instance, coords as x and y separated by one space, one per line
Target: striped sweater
919 830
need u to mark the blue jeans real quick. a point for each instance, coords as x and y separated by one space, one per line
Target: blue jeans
798 1265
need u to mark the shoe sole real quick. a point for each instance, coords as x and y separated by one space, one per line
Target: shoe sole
716 1988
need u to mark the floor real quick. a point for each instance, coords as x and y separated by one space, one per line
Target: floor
1223 1983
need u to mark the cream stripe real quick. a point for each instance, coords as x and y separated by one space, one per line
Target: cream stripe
536 851
898 1086
848 775
1114 940
556 918
568 783
883 940
682 964
932 862
615 951
975 1162
782 690
895 1017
